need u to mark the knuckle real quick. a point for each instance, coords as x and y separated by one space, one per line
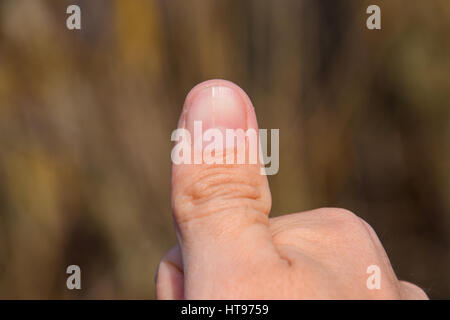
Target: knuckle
226 184
344 221
343 228
343 216
349 230
332 221
221 188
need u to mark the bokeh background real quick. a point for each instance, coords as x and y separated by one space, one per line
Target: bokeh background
86 118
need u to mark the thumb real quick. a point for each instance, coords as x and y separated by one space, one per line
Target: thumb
220 210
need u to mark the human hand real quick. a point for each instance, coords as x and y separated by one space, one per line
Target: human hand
229 248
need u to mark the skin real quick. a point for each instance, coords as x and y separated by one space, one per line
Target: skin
229 248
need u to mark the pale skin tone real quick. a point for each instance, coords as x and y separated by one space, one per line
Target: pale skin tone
229 248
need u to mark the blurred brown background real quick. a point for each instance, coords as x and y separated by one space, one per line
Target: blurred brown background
86 118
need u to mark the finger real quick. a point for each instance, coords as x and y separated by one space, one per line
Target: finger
410 291
169 276
220 210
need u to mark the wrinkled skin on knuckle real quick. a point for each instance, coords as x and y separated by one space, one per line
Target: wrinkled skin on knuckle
215 189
